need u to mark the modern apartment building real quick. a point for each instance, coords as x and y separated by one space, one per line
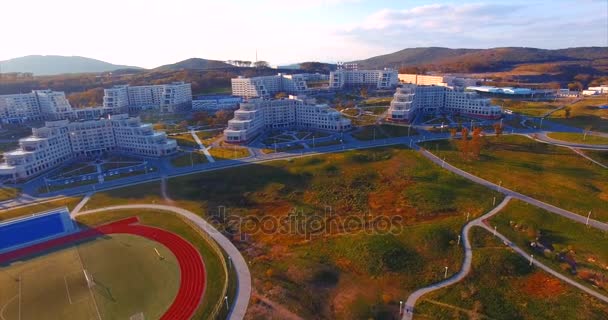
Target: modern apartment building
411 100
62 140
259 87
167 97
381 79
36 105
257 115
438 80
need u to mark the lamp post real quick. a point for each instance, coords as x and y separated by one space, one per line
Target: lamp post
445 275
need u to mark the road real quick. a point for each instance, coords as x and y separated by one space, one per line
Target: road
239 306
468 258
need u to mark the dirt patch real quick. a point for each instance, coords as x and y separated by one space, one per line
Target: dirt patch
541 285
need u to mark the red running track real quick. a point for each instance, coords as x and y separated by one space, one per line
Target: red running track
192 269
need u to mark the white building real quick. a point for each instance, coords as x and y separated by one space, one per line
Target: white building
258 87
36 105
439 80
166 97
411 100
257 115
62 140
603 89
381 79
214 103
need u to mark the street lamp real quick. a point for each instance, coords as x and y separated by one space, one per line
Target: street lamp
445 276
458 241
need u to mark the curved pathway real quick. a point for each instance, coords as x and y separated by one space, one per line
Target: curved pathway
544 138
466 265
239 306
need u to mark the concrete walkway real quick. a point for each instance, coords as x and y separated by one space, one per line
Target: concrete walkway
580 153
202 147
239 306
466 265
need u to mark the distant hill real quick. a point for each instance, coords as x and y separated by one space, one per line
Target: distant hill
594 59
53 65
194 64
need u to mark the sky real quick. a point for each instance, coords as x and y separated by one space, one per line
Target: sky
150 33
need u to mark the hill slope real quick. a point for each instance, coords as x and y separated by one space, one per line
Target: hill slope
488 60
52 65
194 64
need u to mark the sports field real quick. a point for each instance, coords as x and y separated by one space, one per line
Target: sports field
118 274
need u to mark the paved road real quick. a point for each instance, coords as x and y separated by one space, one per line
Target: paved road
466 264
564 213
543 137
582 154
239 306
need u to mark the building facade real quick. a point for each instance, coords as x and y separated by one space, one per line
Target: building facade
438 80
214 103
34 106
62 140
260 87
166 97
411 100
381 79
257 115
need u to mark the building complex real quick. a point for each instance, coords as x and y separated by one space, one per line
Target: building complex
61 140
411 100
436 80
165 97
381 79
257 115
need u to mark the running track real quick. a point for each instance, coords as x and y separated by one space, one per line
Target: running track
192 269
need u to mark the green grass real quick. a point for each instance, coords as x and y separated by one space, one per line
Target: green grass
324 143
175 224
523 223
370 132
225 153
578 138
293 147
385 101
599 156
70 202
185 140
529 108
75 169
502 285
585 114
398 131
207 137
9 131
548 173
52 188
7 193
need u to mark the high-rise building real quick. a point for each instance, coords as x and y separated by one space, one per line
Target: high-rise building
166 97
381 79
62 140
36 105
257 115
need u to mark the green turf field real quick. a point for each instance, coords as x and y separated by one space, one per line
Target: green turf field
128 278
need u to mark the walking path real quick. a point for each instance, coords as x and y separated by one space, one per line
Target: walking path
239 305
466 265
202 147
582 154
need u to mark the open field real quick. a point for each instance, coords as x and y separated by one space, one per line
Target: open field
293 147
125 268
571 248
188 159
548 173
207 137
599 156
382 131
168 221
502 285
341 273
578 138
585 114
41 207
530 108
7 193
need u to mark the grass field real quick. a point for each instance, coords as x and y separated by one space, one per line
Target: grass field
383 131
229 152
207 137
599 156
548 173
125 269
7 193
188 159
578 138
41 207
185 140
585 114
523 224
529 108
168 221
502 285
